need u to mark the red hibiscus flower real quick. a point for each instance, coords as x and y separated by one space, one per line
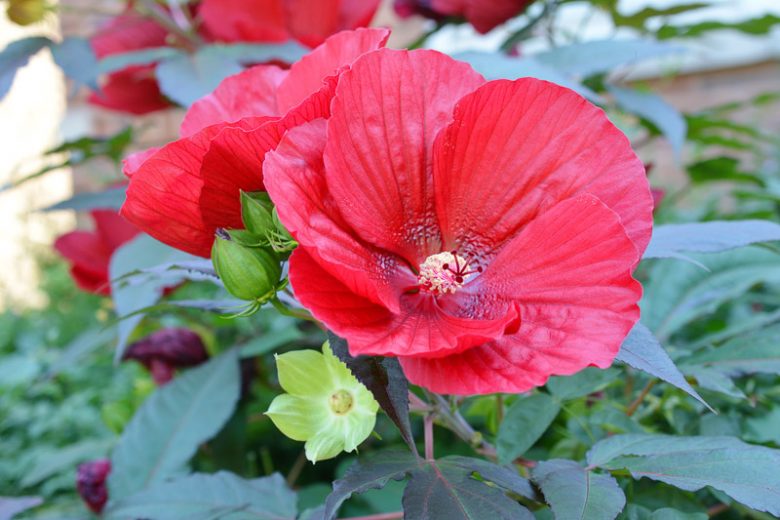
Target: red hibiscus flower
89 252
91 483
483 232
166 350
308 21
133 89
484 15
181 193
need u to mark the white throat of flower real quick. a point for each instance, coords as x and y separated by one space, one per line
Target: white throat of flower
445 273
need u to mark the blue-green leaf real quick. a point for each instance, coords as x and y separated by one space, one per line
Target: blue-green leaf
112 198
15 56
575 493
77 60
525 422
674 240
168 428
149 56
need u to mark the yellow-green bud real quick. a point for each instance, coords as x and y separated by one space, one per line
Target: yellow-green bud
249 273
256 213
26 12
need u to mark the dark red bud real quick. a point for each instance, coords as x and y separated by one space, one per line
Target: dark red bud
407 8
166 350
91 483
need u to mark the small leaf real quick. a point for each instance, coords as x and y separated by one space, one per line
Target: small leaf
653 108
582 383
576 493
15 56
149 56
503 476
77 60
721 169
112 198
11 506
745 472
446 489
642 351
597 57
200 495
755 353
168 428
671 240
525 422
386 381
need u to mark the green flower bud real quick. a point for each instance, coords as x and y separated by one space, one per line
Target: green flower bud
325 405
256 213
249 273
26 12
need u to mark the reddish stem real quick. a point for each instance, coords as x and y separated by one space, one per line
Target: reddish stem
428 422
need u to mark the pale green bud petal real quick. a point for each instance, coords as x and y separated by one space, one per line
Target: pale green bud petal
297 417
303 372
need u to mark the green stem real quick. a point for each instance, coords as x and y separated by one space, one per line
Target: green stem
521 34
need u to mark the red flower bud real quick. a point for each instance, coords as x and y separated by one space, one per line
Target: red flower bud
166 350
91 483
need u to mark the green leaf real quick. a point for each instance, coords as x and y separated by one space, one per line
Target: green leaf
764 428
745 472
505 477
84 344
600 56
148 56
497 66
130 296
635 512
372 473
714 381
446 489
15 56
51 462
575 493
653 108
11 506
755 26
582 383
677 293
755 353
524 423
77 60
168 428
201 495
270 341
721 169
112 198
642 351
385 380
673 240
186 78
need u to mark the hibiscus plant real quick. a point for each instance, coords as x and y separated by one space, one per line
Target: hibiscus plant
371 279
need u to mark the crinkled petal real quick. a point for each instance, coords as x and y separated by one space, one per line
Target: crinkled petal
517 148
340 50
570 273
249 93
386 113
296 183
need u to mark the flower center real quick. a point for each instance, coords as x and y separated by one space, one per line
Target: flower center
341 402
445 272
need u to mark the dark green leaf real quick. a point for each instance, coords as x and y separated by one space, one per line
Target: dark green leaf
386 381
755 353
653 108
84 344
714 381
372 473
15 56
525 422
745 472
642 351
755 26
271 341
503 476
764 428
200 495
575 493
51 462
582 383
112 198
168 428
721 169
77 60
672 240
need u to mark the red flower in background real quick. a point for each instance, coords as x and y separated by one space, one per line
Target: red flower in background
181 193
91 483
484 15
484 233
133 89
89 252
166 350
308 21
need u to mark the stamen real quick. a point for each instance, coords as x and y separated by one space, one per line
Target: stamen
445 273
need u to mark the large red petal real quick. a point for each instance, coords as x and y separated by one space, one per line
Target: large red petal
244 20
483 15
516 148
91 282
249 93
86 250
163 198
133 90
357 13
340 50
296 183
570 273
311 21
386 113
